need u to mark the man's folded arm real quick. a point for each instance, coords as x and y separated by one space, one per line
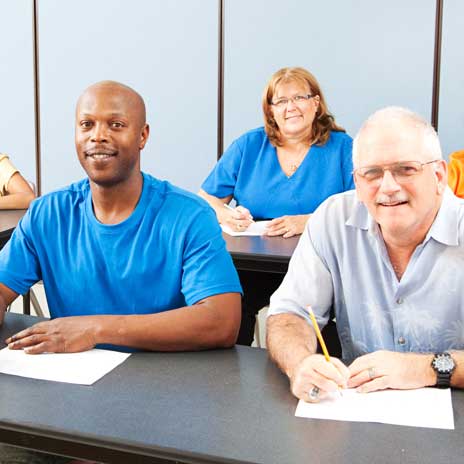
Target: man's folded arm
212 322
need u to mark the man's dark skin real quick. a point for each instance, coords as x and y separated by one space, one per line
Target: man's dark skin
110 133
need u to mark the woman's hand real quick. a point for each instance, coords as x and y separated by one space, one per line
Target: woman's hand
237 219
288 226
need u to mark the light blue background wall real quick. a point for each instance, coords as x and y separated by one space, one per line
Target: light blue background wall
451 116
365 54
166 50
17 85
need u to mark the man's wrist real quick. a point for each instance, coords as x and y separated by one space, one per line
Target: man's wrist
430 376
293 367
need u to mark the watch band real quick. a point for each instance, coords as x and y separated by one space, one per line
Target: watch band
443 379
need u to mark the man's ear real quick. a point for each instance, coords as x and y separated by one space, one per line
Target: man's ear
441 175
144 136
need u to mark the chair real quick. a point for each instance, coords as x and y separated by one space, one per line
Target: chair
30 296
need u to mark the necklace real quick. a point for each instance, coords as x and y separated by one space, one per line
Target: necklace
296 162
294 167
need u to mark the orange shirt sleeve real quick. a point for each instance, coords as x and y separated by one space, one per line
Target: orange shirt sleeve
456 173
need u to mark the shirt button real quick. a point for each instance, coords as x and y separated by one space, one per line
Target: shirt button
399 301
401 340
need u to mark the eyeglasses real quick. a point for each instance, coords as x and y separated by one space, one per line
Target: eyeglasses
403 172
297 99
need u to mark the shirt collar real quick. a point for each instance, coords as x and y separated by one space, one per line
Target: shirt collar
445 227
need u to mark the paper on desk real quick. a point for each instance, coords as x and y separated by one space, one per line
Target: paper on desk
82 368
424 407
255 228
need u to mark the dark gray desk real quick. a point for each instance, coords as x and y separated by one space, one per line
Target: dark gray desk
224 406
9 219
261 254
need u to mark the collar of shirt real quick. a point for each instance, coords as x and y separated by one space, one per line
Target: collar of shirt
445 227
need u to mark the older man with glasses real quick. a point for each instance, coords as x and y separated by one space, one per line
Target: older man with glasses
389 259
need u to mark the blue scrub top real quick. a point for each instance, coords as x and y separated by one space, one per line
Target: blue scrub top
250 171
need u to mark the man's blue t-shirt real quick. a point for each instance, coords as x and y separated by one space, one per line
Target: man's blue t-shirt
167 254
250 171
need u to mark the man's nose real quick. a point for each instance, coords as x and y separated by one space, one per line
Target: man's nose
99 133
389 184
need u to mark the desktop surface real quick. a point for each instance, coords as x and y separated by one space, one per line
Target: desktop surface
219 406
261 253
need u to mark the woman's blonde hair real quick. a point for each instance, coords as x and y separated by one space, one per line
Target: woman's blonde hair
323 122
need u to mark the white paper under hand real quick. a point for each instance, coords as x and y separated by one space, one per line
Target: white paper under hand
424 407
82 368
255 228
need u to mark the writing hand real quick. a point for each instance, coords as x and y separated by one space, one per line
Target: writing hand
238 218
315 371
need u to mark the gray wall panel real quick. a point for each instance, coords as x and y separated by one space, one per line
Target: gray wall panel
451 116
17 85
166 50
365 54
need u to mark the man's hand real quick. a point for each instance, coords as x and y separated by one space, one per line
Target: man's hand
315 371
387 369
288 226
62 335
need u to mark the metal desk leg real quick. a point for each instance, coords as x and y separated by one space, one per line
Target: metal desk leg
27 303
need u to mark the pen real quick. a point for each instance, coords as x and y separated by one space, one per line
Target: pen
229 207
319 337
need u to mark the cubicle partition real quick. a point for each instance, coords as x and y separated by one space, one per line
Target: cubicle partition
201 66
17 85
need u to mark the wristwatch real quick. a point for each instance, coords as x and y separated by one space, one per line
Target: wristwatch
443 364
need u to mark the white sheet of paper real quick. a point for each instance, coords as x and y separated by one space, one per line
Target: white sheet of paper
424 407
82 368
255 228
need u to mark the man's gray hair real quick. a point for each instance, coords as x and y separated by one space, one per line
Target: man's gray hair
404 119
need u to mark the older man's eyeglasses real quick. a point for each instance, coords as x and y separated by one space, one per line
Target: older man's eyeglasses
403 172
297 99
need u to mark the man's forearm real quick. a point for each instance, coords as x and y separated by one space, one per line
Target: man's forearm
206 325
290 339
421 369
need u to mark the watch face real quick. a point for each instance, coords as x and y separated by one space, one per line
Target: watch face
443 363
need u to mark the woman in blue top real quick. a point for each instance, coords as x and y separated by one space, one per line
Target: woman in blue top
282 171
286 169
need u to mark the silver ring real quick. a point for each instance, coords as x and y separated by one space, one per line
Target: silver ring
371 373
314 393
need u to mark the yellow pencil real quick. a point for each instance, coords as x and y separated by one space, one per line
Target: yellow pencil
319 337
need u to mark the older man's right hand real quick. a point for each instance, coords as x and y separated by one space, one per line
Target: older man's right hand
314 377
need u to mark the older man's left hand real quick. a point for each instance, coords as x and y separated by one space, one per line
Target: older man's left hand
288 226
61 335
387 369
